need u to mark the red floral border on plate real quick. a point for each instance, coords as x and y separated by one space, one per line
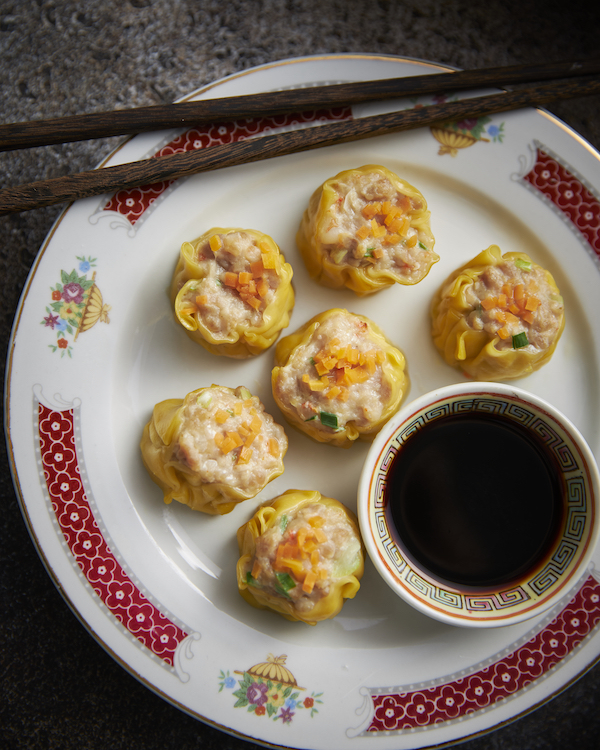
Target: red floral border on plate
420 708
133 203
75 518
568 194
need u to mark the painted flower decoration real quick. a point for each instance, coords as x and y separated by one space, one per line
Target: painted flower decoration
257 693
72 292
74 305
270 689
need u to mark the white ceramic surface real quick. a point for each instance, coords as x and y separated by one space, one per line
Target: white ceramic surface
155 584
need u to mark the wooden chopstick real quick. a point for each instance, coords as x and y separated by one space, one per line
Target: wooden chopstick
155 169
143 119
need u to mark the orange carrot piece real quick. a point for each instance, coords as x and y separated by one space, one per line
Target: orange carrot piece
309 582
216 243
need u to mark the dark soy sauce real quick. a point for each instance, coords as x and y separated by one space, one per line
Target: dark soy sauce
476 499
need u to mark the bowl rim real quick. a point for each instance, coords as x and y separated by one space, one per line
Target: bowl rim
438 598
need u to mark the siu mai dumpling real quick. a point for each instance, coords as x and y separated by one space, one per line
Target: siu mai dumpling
232 291
213 449
301 556
338 378
498 317
366 229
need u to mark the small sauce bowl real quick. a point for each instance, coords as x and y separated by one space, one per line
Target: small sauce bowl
479 504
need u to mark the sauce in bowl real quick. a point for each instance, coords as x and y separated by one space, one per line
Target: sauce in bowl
476 499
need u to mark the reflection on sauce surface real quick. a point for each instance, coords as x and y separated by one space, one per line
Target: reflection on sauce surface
476 499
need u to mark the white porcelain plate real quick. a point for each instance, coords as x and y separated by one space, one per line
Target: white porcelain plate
96 346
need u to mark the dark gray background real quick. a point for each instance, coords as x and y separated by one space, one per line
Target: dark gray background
58 688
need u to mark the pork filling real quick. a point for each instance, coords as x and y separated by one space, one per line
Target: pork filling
300 557
515 302
371 224
336 377
226 437
239 279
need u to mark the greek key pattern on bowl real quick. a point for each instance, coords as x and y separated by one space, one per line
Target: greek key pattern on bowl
503 677
545 581
64 479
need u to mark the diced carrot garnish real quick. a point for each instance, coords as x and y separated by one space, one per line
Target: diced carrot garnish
363 232
253 302
309 582
488 303
235 438
244 457
269 260
231 279
503 332
244 277
256 568
237 408
532 304
216 243
412 240
273 447
221 416
201 300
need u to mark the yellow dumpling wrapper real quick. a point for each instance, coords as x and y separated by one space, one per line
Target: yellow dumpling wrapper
161 454
280 588
243 337
366 229
392 390
483 354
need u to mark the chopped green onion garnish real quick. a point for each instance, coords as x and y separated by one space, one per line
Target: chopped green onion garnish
369 252
250 580
218 282
519 340
283 522
328 419
422 246
204 399
524 265
310 419
339 256
312 361
285 583
245 393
